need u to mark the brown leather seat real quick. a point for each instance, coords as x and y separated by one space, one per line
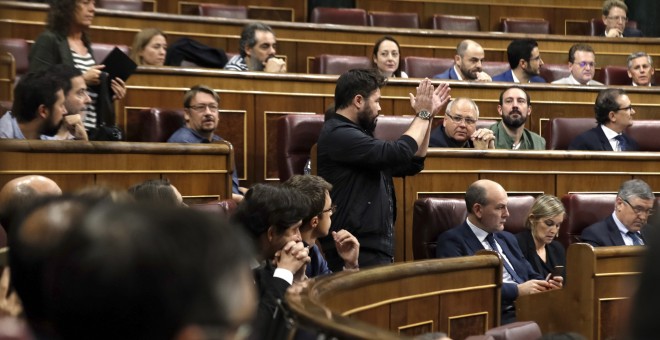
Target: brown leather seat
583 210
20 49
597 26
102 50
645 133
560 132
422 67
433 216
521 330
224 208
455 23
338 64
552 72
223 11
525 25
494 68
339 16
156 125
616 75
122 5
393 19
295 136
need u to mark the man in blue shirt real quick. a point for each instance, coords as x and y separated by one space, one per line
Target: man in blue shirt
201 114
525 62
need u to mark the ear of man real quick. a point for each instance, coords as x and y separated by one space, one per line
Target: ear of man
43 111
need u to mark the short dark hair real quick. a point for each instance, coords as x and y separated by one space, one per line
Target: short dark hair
475 194
249 36
271 205
64 73
155 191
60 17
578 47
357 82
520 49
397 72
190 94
34 90
529 100
605 103
315 188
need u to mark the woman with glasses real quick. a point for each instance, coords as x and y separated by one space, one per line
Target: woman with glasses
538 243
66 41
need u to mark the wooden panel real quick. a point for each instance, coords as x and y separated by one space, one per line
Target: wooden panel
378 316
7 76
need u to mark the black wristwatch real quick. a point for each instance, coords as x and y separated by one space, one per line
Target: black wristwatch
424 115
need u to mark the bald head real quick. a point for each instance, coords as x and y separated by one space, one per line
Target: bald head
486 202
21 191
469 58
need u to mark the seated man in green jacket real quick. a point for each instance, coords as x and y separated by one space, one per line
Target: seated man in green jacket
510 133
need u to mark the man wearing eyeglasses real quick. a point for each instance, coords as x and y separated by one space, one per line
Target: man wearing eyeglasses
582 64
201 114
510 133
614 113
625 227
459 128
525 62
615 17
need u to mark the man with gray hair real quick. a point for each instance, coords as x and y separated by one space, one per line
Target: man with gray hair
625 227
459 128
257 51
640 69
467 63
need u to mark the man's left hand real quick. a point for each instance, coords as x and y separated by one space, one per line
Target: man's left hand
348 248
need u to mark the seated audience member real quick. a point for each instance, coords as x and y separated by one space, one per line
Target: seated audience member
515 108
582 64
139 272
387 58
76 100
37 111
317 224
640 69
458 129
484 229
538 243
158 191
525 62
614 113
101 194
149 47
202 116
272 216
257 51
467 63
626 225
615 17
17 194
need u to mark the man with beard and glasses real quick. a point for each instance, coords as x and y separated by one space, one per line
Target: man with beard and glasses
37 111
202 116
360 167
525 62
510 133
257 51
468 63
76 99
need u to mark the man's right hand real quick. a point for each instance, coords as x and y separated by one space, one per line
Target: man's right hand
484 77
293 256
483 139
533 286
614 33
275 65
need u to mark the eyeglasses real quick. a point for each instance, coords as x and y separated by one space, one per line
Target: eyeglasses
459 119
639 210
629 109
618 18
585 64
203 107
332 209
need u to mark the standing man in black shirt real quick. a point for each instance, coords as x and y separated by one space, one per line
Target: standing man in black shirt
360 167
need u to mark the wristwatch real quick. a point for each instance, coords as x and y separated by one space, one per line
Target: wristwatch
424 115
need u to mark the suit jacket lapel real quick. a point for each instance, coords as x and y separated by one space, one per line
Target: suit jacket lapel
471 239
604 142
614 233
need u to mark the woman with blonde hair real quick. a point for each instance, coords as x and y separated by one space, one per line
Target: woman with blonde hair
149 47
538 243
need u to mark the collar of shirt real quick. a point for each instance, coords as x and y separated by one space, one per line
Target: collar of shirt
515 79
623 230
611 134
478 232
458 72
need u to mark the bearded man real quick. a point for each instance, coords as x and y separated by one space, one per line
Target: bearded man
515 108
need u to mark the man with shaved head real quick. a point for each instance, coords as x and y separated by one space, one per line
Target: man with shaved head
20 192
467 63
486 203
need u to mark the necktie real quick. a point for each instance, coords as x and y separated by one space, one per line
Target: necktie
635 238
622 142
491 242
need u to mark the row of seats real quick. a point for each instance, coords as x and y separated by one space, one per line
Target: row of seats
433 216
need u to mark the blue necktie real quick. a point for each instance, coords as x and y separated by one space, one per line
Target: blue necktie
491 242
622 142
635 238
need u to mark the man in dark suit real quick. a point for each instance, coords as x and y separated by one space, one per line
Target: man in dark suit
467 63
614 113
640 69
615 17
483 229
525 62
459 128
634 205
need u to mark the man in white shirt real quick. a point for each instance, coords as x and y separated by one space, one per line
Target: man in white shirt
582 64
640 69
468 63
